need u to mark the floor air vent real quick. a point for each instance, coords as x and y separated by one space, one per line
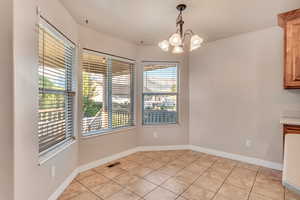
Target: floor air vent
114 164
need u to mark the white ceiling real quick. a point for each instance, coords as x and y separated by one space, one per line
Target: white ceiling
153 20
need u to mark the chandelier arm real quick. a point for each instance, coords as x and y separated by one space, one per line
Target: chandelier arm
187 32
177 30
184 38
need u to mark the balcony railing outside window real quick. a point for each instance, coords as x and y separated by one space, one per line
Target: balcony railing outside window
119 119
160 117
108 93
160 93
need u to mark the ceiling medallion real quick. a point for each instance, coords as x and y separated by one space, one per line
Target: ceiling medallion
177 39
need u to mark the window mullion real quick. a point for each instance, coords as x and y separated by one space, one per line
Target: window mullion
132 75
66 96
109 92
112 83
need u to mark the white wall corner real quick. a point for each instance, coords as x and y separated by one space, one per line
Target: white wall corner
291 187
64 185
163 148
88 166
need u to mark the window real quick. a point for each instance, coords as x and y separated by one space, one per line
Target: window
56 58
108 89
160 93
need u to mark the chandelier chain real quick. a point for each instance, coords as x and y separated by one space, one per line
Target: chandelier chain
177 39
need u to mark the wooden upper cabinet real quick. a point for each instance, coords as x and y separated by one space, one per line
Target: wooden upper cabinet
290 22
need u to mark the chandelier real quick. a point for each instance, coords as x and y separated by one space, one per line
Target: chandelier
178 39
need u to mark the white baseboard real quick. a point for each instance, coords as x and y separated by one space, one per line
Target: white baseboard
223 154
163 148
102 161
291 187
238 157
64 185
88 166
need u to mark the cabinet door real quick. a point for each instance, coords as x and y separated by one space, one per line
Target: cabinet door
291 129
293 53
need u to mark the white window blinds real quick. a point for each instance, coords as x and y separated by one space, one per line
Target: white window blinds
108 89
160 93
56 56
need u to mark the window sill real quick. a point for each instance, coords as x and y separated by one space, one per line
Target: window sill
102 133
47 156
160 125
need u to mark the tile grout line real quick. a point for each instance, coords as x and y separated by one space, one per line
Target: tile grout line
224 182
198 177
178 195
89 190
284 191
284 194
110 180
159 185
143 178
171 159
253 183
127 171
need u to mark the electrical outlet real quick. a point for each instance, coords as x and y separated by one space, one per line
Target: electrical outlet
155 135
53 171
248 143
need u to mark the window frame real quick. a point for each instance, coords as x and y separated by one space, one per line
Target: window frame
144 63
70 92
109 58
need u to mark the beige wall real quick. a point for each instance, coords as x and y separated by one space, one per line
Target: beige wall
97 147
107 44
236 94
170 134
34 182
26 101
6 104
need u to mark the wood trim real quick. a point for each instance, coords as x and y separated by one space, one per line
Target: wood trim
285 78
290 21
289 129
283 18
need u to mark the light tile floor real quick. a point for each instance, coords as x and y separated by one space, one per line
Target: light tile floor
181 175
